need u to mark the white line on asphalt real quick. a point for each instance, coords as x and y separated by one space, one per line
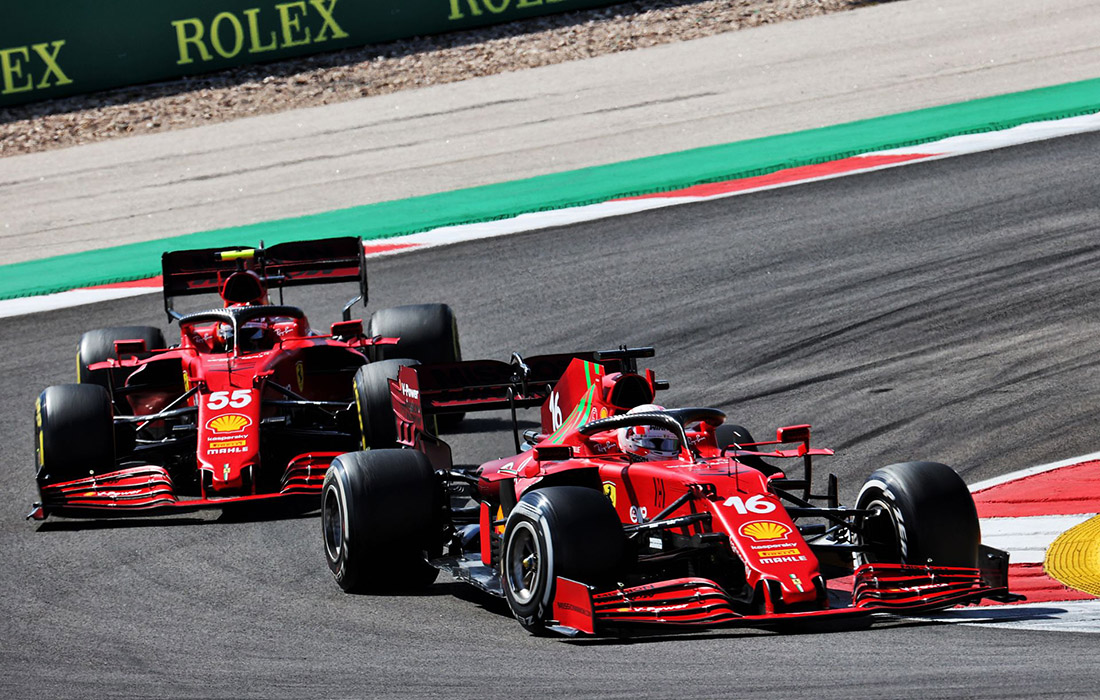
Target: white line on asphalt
954 146
1026 539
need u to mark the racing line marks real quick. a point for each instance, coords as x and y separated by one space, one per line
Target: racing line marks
1045 516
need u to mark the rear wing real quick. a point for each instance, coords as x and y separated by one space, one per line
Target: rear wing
325 261
421 392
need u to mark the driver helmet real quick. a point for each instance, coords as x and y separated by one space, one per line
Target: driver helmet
223 337
646 443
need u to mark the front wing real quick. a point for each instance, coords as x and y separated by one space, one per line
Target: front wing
699 602
148 490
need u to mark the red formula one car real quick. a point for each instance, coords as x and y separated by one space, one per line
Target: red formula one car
619 512
251 404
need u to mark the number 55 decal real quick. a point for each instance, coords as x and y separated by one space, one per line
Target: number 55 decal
221 399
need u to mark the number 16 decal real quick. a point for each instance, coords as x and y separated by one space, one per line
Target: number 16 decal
756 504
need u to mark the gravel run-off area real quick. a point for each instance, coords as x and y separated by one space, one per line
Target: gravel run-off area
380 69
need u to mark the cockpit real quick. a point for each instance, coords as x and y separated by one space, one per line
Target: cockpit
242 330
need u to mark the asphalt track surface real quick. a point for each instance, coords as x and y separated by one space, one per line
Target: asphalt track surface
944 310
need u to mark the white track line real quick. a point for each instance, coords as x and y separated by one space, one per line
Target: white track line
954 146
1031 471
1067 616
73 297
1026 539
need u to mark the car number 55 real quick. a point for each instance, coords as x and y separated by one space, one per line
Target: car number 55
220 399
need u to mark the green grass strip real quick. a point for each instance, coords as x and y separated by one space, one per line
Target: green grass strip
569 189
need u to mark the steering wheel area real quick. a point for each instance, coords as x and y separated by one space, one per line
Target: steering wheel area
235 318
674 420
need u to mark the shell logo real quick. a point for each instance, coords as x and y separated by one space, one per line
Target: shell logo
228 423
763 530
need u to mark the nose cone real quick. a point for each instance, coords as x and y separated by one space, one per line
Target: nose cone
229 441
228 478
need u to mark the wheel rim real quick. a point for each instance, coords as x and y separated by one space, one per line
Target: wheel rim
332 523
881 530
523 559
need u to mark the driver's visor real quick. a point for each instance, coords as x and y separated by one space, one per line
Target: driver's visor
658 444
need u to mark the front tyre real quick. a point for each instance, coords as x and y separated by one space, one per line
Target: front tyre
922 513
74 433
99 345
569 531
380 515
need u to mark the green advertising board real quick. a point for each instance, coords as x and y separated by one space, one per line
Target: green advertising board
53 48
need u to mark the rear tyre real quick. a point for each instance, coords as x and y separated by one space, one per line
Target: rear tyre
99 345
428 333
923 513
380 518
569 531
73 433
377 424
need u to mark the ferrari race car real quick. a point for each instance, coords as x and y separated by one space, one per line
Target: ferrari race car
251 404
618 511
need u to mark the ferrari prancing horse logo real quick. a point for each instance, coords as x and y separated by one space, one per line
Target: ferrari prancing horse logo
300 373
609 491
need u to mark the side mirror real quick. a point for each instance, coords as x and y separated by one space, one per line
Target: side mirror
553 453
347 329
793 433
129 347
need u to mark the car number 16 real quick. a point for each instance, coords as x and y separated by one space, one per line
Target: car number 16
755 504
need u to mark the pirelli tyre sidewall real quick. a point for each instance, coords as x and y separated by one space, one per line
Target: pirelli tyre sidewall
569 531
924 514
380 518
377 425
73 433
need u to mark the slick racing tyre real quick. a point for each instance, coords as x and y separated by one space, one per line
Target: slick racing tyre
377 424
380 517
569 531
73 433
99 345
427 332
922 513
731 434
